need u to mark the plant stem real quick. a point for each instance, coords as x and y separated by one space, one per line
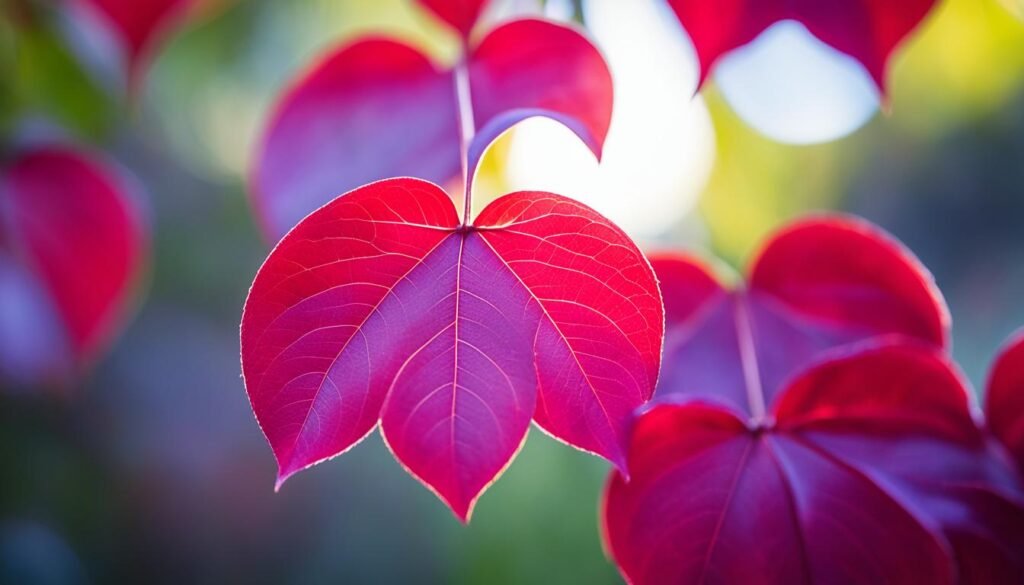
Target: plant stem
467 128
748 359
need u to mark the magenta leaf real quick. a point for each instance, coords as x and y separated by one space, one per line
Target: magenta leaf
869 469
378 108
867 30
819 286
383 307
72 246
1004 401
459 14
810 429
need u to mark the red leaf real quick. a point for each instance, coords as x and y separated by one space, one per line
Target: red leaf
378 108
460 14
811 430
379 306
870 469
817 287
140 24
70 230
867 30
1004 401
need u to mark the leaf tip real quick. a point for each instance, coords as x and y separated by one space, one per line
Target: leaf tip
622 469
702 78
283 474
619 460
884 100
461 508
463 513
280 482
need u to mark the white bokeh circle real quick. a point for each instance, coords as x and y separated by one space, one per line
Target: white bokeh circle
660 148
795 89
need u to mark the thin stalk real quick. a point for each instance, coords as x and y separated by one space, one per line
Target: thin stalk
748 359
467 128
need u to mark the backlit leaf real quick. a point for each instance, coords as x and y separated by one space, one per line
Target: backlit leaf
867 30
460 14
380 308
72 245
379 108
1004 401
818 286
809 428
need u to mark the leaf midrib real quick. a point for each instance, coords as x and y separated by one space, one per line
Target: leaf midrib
358 329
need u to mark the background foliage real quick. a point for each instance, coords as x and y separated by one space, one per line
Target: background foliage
153 470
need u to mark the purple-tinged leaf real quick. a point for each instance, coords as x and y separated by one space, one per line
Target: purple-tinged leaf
818 286
459 14
381 307
867 30
1004 399
70 229
869 469
378 108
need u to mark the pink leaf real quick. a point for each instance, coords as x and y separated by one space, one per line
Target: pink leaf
1004 401
818 287
71 230
867 30
378 108
870 469
460 14
380 307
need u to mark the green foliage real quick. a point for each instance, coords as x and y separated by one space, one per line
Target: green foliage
48 80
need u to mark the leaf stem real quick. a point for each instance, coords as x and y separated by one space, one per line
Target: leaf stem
748 359
467 128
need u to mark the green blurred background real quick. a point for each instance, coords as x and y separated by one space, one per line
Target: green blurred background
154 470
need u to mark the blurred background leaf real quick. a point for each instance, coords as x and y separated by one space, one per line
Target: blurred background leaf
155 470
46 79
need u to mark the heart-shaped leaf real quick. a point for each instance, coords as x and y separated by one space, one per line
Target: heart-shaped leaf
1004 401
811 430
870 469
71 246
818 286
867 30
379 108
382 306
460 14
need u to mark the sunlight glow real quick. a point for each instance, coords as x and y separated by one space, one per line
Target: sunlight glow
660 149
793 88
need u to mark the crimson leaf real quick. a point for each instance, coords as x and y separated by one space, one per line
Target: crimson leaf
870 470
382 307
867 30
71 247
817 286
811 430
1004 402
379 108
